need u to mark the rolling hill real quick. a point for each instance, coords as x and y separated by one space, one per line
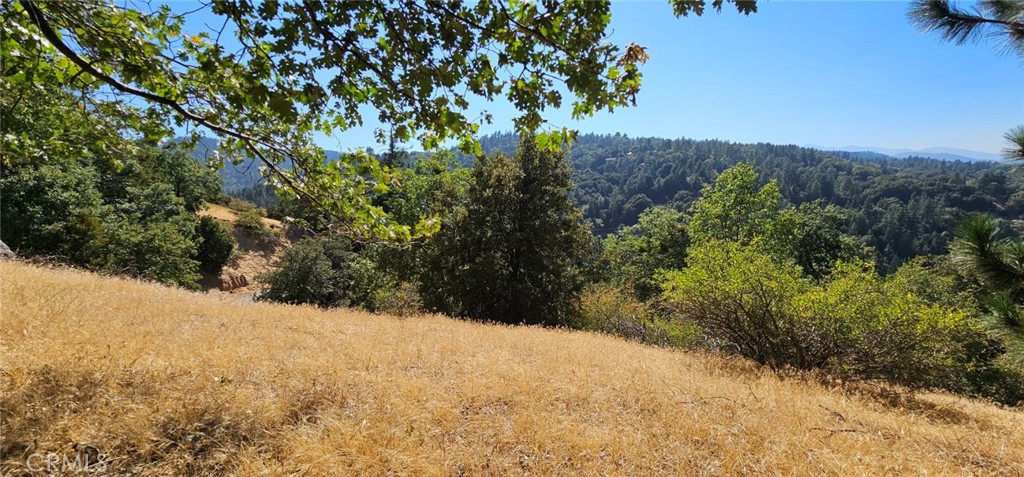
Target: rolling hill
938 153
235 177
161 381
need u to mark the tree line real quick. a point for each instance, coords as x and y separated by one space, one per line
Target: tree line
742 269
902 208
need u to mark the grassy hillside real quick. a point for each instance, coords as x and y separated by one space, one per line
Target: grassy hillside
164 381
225 214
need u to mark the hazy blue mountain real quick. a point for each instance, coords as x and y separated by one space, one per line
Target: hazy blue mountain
235 177
940 153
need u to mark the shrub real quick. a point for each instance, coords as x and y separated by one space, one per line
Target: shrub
152 236
157 251
322 271
937 279
855 326
234 203
251 223
401 299
216 244
616 311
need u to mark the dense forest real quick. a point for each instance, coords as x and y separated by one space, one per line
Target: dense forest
901 207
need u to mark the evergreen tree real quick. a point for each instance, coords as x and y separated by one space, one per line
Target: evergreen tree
998 263
998 18
516 251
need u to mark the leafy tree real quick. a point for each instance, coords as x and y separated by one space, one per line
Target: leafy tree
814 236
435 186
636 253
516 252
734 208
216 244
275 73
75 188
192 181
150 235
634 207
51 210
324 271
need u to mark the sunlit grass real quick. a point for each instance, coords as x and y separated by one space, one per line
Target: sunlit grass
164 381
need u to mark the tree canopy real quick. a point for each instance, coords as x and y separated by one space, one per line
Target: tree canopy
517 252
269 75
1000 18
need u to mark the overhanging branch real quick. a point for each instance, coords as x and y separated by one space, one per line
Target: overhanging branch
251 142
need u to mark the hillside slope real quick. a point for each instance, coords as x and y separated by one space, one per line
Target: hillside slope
166 382
253 256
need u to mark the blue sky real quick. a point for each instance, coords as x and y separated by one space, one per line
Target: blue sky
830 73
827 73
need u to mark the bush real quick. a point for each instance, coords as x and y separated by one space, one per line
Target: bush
152 236
251 223
51 210
400 299
616 311
322 271
215 245
234 203
936 279
157 251
855 326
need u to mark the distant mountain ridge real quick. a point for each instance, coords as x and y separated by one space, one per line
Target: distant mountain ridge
235 177
940 153
239 176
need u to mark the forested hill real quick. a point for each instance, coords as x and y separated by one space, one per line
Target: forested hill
903 207
245 174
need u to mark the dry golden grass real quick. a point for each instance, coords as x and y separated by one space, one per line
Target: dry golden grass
169 382
225 214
